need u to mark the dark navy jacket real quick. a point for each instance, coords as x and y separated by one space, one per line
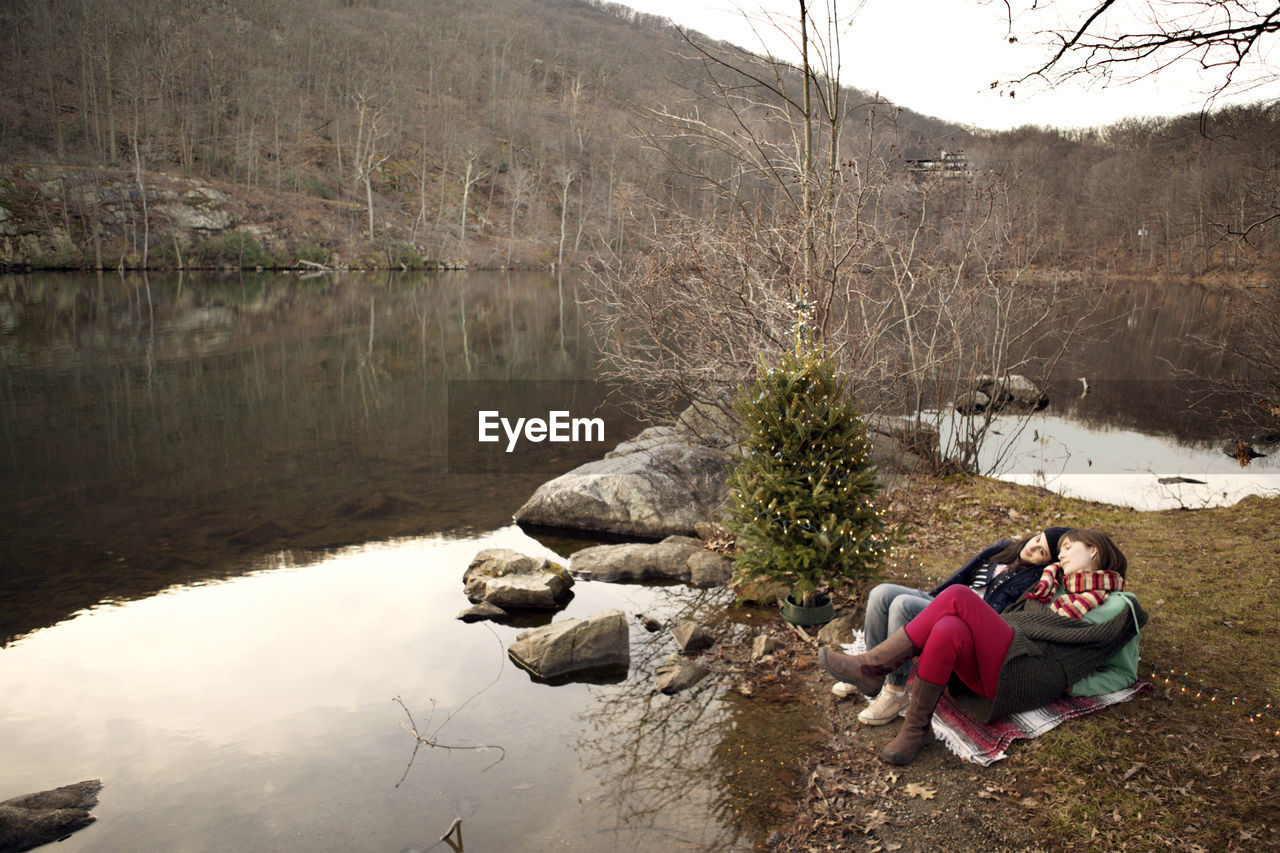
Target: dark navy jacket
1002 591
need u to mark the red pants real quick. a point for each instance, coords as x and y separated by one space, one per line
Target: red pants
959 632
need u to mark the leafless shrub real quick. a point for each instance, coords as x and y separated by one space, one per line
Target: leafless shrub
919 284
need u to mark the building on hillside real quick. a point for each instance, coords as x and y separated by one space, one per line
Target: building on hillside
922 162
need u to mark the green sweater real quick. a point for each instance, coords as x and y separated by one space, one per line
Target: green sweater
1050 653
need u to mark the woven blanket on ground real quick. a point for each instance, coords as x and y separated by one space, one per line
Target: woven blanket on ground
986 744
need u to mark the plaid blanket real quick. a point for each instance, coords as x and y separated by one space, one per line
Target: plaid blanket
986 744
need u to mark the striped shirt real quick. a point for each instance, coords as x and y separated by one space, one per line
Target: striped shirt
985 574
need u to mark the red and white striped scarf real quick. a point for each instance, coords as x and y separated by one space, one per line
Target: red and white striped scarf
1083 590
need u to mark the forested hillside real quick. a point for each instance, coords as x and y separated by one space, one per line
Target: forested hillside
498 133
1193 195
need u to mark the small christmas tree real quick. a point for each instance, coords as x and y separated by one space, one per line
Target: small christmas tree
801 507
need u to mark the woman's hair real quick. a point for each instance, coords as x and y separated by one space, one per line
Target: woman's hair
1012 555
1110 557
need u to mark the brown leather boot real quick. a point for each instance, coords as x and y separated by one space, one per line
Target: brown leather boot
868 670
917 728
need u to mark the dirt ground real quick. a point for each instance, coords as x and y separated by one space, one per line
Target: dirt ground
848 799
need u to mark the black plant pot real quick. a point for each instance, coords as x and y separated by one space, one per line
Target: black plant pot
798 614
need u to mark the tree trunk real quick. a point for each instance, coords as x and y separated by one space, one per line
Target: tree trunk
466 194
142 190
564 215
368 199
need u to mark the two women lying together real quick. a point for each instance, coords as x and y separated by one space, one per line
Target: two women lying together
1017 627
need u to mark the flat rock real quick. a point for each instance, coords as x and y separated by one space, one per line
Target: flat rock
35 819
482 611
996 393
574 646
635 562
514 581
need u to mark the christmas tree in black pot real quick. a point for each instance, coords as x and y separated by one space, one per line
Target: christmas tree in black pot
802 507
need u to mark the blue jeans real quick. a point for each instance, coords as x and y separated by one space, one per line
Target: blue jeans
890 607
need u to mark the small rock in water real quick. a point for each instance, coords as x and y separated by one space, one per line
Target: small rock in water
692 637
679 674
482 611
515 581
764 645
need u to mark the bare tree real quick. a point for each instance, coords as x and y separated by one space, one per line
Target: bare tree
368 154
1231 40
1243 392
920 286
473 172
564 176
520 182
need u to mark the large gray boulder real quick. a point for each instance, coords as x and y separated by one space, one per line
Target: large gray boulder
712 425
660 483
996 393
514 581
35 819
571 646
668 480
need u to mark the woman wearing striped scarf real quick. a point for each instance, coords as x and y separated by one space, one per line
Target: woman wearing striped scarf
1074 620
1001 574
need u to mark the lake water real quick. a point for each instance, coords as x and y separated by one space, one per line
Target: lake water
236 514
260 713
231 553
1138 418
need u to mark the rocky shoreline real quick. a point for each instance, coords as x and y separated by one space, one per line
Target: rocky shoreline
63 217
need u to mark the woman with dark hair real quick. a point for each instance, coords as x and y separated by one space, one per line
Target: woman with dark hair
1001 573
1068 628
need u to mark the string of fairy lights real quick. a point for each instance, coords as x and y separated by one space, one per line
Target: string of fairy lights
1265 715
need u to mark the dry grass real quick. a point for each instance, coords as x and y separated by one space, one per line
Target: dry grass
1192 765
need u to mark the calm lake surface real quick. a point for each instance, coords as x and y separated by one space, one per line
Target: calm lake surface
231 553
236 514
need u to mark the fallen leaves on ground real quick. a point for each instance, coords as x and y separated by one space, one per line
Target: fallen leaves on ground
915 789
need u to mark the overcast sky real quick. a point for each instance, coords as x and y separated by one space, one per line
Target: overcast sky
939 57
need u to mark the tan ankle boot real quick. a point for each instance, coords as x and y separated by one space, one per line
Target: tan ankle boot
868 670
917 728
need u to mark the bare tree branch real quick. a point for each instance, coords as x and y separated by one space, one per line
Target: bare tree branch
1222 37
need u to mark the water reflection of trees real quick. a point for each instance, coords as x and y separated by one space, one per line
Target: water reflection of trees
651 751
1165 407
161 430
1143 368
679 761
